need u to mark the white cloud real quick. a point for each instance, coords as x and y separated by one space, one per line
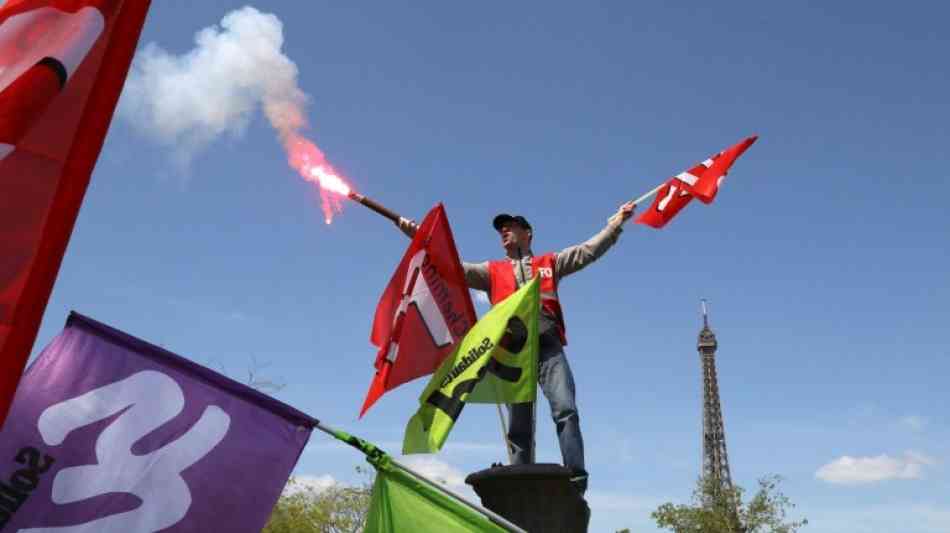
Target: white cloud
915 422
849 470
436 470
302 483
187 101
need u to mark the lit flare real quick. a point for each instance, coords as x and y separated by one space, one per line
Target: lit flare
307 159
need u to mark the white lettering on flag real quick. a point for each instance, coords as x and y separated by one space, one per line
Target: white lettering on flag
146 401
661 206
66 37
666 199
687 178
416 291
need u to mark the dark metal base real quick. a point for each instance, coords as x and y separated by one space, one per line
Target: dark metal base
538 497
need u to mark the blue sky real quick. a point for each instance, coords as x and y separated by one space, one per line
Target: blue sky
825 257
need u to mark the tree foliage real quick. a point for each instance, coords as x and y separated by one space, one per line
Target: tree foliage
718 510
304 509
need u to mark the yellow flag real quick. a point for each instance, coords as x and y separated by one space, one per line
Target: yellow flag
496 362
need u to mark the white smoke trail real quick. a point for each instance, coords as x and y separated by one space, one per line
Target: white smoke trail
188 101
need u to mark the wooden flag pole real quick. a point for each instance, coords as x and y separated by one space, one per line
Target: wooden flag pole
648 194
643 197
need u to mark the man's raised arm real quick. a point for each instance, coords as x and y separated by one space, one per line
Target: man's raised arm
476 274
574 258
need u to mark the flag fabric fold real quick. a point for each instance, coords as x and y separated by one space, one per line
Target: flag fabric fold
424 310
496 362
701 181
405 500
707 182
672 197
402 502
62 67
113 435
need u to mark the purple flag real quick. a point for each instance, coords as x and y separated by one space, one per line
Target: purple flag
110 434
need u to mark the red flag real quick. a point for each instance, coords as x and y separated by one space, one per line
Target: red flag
424 311
669 200
702 181
62 66
707 182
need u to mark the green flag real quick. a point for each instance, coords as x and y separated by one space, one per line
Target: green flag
496 362
402 502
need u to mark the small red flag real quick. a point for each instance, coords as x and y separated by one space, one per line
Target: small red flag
707 181
62 67
424 311
702 181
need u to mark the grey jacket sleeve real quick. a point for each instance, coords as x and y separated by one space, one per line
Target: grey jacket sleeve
574 258
476 275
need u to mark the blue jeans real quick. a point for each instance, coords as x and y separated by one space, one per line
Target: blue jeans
557 384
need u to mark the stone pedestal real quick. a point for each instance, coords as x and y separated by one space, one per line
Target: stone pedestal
537 497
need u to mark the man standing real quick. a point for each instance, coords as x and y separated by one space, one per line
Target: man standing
503 277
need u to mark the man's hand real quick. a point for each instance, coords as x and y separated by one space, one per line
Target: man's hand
623 213
407 226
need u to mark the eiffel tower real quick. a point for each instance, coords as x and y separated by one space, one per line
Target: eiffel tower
715 459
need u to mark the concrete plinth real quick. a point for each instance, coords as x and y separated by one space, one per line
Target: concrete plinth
538 497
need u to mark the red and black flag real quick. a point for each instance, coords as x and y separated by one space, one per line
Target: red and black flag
62 67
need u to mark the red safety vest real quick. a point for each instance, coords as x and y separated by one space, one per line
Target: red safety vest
504 284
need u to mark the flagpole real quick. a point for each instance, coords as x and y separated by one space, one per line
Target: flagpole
374 206
493 516
534 403
648 194
372 451
534 426
643 197
504 427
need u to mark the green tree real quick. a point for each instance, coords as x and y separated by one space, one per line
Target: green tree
337 509
717 510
